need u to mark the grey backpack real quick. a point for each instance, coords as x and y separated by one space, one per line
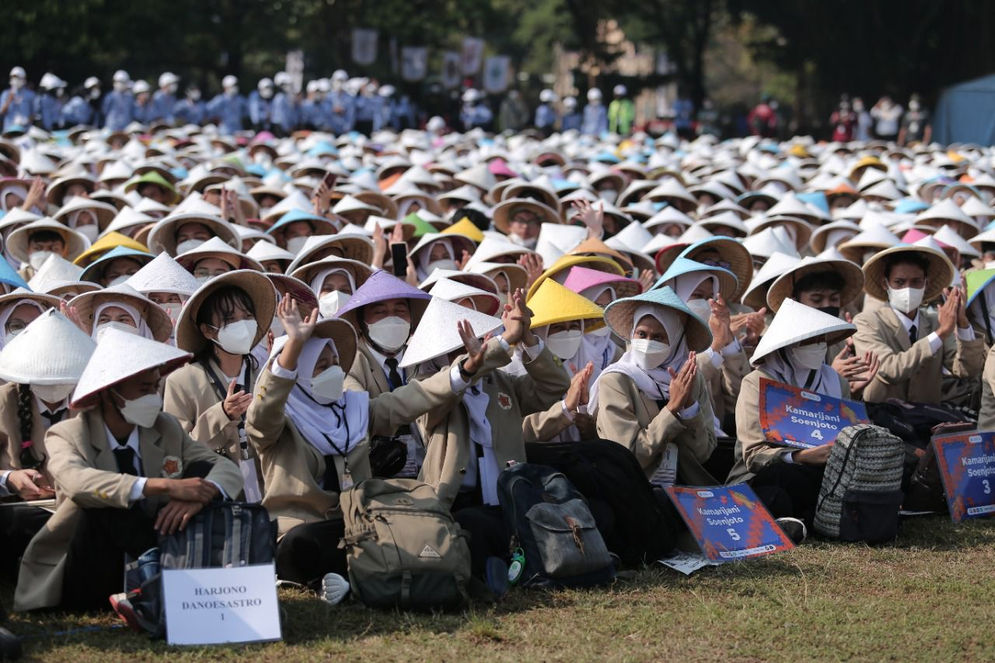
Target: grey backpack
861 488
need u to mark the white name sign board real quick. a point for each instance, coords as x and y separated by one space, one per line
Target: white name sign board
223 605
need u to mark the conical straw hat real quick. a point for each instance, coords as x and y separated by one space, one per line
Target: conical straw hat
553 303
795 323
29 357
436 333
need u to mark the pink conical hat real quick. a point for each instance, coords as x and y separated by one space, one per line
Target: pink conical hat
580 279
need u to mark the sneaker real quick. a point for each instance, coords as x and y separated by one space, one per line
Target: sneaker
122 606
793 528
334 588
496 574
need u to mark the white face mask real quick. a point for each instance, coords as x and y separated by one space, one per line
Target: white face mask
390 333
118 280
90 231
37 258
98 333
237 338
600 333
329 385
330 302
188 245
701 308
608 195
564 344
52 393
905 300
811 356
649 354
173 310
295 244
16 83
142 411
445 263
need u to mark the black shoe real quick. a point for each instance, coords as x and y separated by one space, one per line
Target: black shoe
793 528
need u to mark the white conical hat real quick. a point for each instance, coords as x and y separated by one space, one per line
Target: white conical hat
556 240
975 207
796 322
163 274
454 291
479 176
27 358
667 216
350 203
950 237
946 210
633 237
770 240
492 247
117 357
128 217
777 264
437 335
55 271
265 250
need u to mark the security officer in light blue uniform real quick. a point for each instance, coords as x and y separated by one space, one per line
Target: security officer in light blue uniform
163 106
17 103
229 107
283 109
119 104
260 105
595 120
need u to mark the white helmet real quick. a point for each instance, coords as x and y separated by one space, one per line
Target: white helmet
91 82
620 91
312 86
594 94
168 78
49 81
570 103
18 72
435 123
387 91
121 76
324 85
264 83
340 75
229 81
547 96
282 78
471 95
140 87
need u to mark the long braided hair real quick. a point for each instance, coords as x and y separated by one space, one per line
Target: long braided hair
25 419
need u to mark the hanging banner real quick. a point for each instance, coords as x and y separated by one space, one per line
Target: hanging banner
414 63
497 72
473 55
364 46
451 74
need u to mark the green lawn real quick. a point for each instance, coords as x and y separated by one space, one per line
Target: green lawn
929 597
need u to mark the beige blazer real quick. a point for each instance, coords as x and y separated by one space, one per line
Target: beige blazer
753 452
446 430
10 430
986 417
293 470
191 397
723 382
86 477
909 371
366 373
626 416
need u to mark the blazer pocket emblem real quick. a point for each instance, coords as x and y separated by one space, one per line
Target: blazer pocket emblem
172 467
504 400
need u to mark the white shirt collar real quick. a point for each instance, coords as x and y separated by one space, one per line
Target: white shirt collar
904 319
132 441
382 359
43 408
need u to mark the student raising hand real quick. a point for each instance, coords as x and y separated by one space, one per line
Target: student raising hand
298 329
474 346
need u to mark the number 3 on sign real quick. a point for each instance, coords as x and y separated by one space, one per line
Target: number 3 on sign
988 487
733 534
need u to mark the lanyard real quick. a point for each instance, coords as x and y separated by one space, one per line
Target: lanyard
222 391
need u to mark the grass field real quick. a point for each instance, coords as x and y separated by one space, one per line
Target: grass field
929 597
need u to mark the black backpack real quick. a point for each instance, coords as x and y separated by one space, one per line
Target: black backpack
554 536
222 535
630 519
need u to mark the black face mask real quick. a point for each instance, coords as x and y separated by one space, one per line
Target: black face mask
831 310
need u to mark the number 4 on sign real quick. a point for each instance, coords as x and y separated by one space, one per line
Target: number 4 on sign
816 435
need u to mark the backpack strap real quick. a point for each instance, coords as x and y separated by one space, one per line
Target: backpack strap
839 477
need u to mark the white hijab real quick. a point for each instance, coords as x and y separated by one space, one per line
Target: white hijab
685 284
143 327
319 280
9 311
425 257
333 429
655 382
824 381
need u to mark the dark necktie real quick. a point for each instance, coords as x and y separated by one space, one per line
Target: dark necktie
126 460
913 334
393 377
54 417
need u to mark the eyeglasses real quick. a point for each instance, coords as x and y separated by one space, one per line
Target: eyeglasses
716 262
